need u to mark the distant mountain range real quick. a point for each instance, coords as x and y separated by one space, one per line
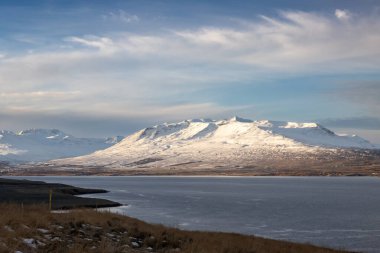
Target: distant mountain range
45 144
235 142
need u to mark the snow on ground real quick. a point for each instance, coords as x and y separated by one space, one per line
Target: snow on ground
213 142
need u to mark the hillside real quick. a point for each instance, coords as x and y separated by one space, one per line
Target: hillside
234 143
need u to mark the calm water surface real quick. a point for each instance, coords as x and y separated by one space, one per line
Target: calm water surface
340 212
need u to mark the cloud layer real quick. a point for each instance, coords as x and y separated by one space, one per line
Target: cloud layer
156 75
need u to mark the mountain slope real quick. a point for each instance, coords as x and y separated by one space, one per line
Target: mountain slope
46 144
209 143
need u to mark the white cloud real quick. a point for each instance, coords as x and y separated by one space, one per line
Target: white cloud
39 100
157 113
39 94
101 43
121 15
342 14
296 42
213 36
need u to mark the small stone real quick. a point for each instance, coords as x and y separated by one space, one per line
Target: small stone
39 243
48 236
8 228
55 239
30 242
43 231
135 245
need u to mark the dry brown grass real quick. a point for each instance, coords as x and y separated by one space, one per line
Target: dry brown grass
93 231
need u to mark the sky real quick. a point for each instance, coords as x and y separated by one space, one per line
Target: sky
105 68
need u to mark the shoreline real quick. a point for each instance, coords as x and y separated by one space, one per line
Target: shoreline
181 176
153 174
371 171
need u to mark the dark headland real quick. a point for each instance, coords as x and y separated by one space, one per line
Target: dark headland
38 192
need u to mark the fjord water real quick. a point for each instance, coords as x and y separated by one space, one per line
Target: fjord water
339 212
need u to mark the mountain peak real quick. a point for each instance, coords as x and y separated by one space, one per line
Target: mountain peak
41 131
200 120
114 139
301 125
239 119
6 132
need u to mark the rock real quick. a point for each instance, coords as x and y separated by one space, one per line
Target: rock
125 249
30 242
43 231
39 243
110 235
55 239
135 245
8 228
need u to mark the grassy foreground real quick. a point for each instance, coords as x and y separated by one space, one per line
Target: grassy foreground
35 229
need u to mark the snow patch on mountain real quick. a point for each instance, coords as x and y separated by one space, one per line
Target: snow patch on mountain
314 134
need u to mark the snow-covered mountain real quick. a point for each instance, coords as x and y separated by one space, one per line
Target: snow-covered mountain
208 143
46 144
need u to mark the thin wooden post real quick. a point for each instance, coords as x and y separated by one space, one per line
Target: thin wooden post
50 198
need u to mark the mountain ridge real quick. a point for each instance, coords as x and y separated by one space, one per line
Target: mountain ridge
210 143
39 144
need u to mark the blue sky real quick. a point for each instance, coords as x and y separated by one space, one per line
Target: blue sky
99 68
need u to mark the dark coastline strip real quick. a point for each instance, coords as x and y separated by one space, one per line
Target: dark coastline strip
37 192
